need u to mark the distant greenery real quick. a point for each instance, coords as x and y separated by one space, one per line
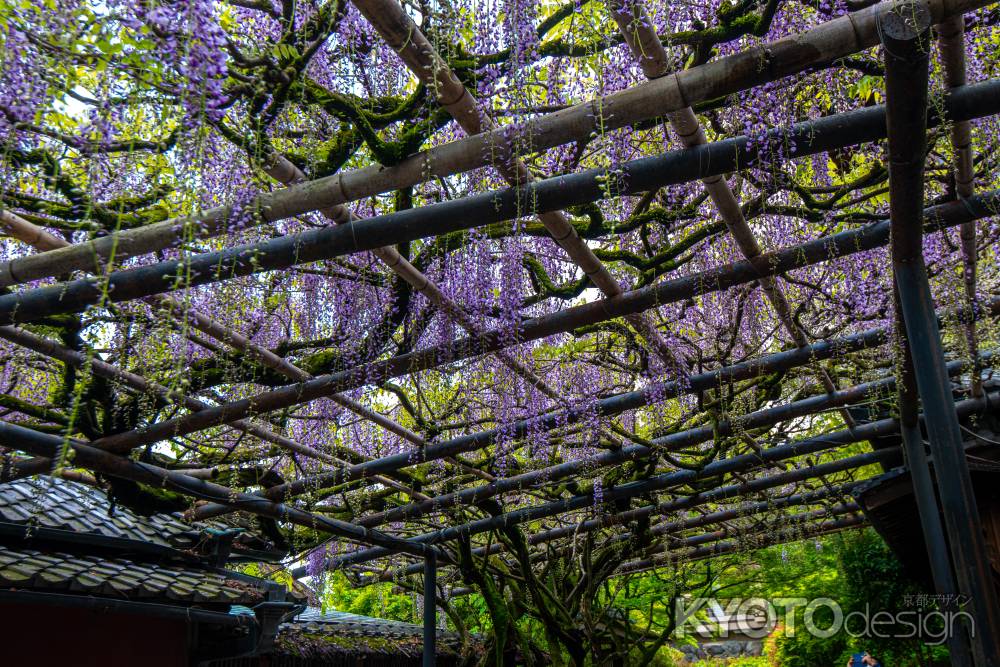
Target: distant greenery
378 601
854 569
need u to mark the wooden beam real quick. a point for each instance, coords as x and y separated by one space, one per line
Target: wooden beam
810 49
807 138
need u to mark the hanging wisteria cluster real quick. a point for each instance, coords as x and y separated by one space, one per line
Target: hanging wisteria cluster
119 115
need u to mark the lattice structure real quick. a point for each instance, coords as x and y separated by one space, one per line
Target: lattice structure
506 288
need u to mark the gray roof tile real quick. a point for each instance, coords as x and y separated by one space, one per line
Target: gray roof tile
119 577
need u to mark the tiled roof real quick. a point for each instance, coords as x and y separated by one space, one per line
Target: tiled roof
345 623
56 503
316 634
28 569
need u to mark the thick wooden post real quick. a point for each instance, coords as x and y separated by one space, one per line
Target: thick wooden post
915 459
430 609
905 35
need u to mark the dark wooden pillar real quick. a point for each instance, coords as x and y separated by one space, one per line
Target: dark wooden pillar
905 35
430 609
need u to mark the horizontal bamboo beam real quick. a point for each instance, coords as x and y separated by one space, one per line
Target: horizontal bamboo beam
677 504
736 464
785 521
562 321
635 452
801 52
636 176
606 407
796 526
673 526
308 391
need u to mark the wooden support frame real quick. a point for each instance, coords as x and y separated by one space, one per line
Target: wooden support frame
665 94
551 194
814 48
905 34
740 463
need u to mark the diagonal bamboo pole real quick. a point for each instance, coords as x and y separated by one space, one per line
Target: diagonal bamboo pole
637 29
905 35
400 32
801 52
28 232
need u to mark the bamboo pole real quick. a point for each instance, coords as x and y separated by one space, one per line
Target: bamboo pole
736 464
796 526
86 456
916 460
400 32
723 547
824 249
811 49
951 43
671 542
676 504
613 405
604 407
689 438
22 230
637 29
632 177
671 527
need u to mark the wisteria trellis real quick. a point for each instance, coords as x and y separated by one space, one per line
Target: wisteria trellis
130 123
